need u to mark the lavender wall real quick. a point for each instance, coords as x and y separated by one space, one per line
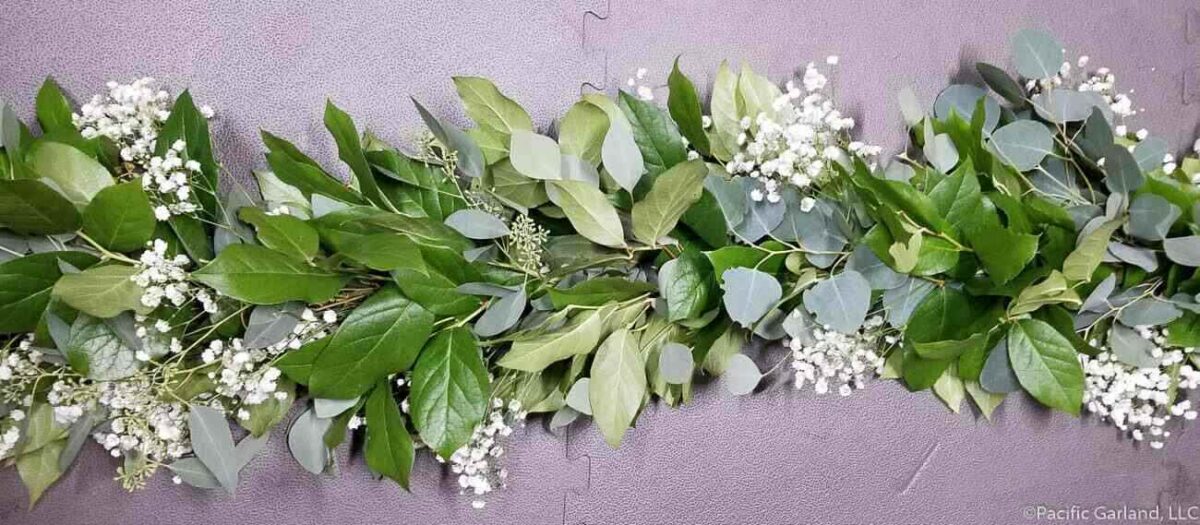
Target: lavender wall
882 455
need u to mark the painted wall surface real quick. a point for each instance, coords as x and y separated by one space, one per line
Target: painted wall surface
880 456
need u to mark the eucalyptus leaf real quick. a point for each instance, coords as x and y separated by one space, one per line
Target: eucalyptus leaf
1023 144
741 375
272 324
1037 54
213 445
477 224
840 302
1151 217
675 363
502 314
306 441
1131 348
1183 250
749 294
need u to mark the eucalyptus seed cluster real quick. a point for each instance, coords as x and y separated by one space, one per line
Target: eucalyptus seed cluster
526 243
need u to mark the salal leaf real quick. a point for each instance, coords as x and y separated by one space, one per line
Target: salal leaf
1089 253
688 284
430 276
283 233
477 224
517 190
673 193
589 211
26 284
188 124
726 112
599 291
350 151
1023 144
389 449
120 218
684 104
749 294
77 175
582 131
258 275
497 115
53 109
30 207
103 291
617 386
213 445
380 337
656 136
294 168
1036 54
1046 365
841 302
449 391
621 156
535 353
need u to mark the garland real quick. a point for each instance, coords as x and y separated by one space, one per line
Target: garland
1028 242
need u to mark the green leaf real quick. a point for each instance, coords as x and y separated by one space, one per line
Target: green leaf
688 284
1003 252
297 364
382 336
389 449
103 291
756 94
258 275
1086 257
656 136
684 105
449 391
349 146
535 156
1046 365
186 123
39 469
840 302
726 113
617 386
1001 83
53 109
950 389
986 401
192 234
707 220
470 156
580 336
497 115
77 175
676 190
98 352
30 207
589 211
474 223
513 188
304 175
120 218
1051 290
430 276
283 233
582 130
25 287
598 292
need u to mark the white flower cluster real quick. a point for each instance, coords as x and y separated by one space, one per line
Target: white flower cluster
162 277
1137 400
477 462
141 422
1102 82
20 369
833 359
167 181
800 144
246 374
644 92
130 115
11 433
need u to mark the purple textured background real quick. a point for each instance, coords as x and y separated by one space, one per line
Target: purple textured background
881 456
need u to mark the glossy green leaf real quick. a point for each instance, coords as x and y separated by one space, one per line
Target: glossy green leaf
389 449
283 233
120 218
676 190
582 130
684 104
688 284
1083 261
599 291
1046 365
258 275
77 175
382 336
30 207
103 291
589 211
535 353
449 391
39 469
188 124
655 133
26 284
53 109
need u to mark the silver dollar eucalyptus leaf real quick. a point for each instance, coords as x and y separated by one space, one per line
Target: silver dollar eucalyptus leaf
879 274
331 408
1097 301
1151 216
1183 250
675 363
961 99
840 302
1023 144
1148 311
899 302
749 294
306 441
1150 153
741 375
271 324
1143 258
1036 54
1130 347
